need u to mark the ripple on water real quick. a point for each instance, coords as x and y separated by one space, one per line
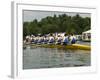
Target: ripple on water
48 58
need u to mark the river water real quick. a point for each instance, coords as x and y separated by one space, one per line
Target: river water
53 58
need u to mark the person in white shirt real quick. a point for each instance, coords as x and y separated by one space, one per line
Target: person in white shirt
65 39
46 39
51 39
72 39
36 40
59 39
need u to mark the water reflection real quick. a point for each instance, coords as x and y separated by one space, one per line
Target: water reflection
47 58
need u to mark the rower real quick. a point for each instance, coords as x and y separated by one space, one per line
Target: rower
42 39
59 39
72 39
35 40
39 40
32 40
51 39
46 39
65 39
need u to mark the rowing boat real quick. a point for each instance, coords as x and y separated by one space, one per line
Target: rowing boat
72 46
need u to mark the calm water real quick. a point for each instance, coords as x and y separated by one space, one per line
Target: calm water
49 58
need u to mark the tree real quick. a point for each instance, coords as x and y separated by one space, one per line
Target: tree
61 23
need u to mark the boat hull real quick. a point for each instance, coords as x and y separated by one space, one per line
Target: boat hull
72 46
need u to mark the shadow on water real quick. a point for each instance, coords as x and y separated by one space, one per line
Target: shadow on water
53 57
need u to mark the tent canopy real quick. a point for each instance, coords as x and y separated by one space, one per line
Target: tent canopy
89 31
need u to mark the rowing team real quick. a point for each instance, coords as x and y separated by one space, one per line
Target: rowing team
66 39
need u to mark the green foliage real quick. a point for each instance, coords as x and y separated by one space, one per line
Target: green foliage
62 23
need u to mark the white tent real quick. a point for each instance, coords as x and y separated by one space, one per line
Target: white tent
89 31
86 36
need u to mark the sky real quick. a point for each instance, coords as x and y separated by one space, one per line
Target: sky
29 15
